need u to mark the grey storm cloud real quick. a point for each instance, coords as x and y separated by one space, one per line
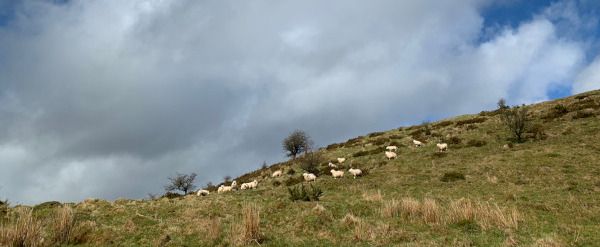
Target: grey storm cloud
108 98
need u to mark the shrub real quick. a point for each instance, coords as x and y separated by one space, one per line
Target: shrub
276 183
538 131
171 195
3 209
293 181
454 140
584 104
471 121
291 171
65 229
304 193
583 114
334 146
557 111
46 205
516 121
310 162
452 176
380 141
443 124
352 141
471 127
476 143
374 134
396 137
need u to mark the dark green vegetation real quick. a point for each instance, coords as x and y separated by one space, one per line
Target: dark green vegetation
542 191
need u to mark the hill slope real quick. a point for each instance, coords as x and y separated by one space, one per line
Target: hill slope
543 192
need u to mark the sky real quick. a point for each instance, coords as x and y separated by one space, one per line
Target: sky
108 98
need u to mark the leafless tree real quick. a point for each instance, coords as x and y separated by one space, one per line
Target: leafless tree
181 182
515 119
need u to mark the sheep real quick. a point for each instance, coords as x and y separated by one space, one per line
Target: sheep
390 155
356 172
336 174
332 165
417 143
223 188
250 185
203 192
341 160
442 147
309 177
391 148
277 173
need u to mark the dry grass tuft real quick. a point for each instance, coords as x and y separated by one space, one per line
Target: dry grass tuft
410 207
485 214
362 231
319 209
430 211
213 231
249 230
391 209
24 230
373 197
550 241
350 219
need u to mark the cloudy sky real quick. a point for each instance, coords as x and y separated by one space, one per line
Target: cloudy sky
107 98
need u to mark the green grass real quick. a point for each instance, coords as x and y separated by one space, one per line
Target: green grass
553 183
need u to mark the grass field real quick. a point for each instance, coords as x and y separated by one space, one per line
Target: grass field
543 192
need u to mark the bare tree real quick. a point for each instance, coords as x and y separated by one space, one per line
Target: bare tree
502 104
515 119
296 143
181 182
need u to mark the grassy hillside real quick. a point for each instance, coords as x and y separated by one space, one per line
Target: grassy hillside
543 192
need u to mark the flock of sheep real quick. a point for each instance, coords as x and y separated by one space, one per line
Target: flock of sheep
390 153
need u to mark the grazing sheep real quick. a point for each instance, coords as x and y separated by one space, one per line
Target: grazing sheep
442 147
332 165
250 185
277 173
309 177
223 188
417 143
203 193
341 160
337 174
390 155
391 148
355 172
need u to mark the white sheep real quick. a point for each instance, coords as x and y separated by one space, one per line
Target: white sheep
355 172
391 148
337 174
332 165
277 173
309 177
417 143
203 193
442 147
224 188
250 185
390 155
341 160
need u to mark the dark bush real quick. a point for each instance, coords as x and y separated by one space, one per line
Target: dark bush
452 176
374 134
583 114
537 130
291 171
334 146
353 141
584 104
380 141
297 142
396 136
293 181
3 209
443 124
378 150
171 195
276 183
416 132
476 143
471 127
426 128
360 153
397 144
557 111
471 121
436 134
580 97
310 162
304 193
454 140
